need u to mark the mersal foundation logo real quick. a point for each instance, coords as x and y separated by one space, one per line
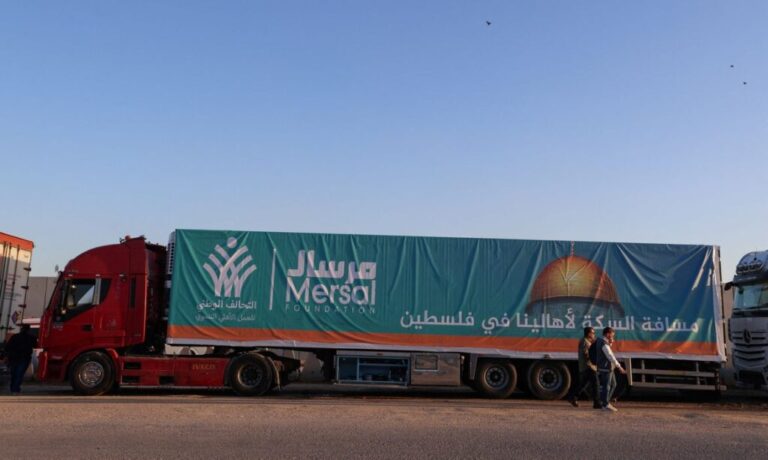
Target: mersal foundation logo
330 282
229 272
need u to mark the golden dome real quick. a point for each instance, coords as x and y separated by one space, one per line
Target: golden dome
576 278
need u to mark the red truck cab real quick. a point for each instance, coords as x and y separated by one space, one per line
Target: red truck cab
108 298
105 327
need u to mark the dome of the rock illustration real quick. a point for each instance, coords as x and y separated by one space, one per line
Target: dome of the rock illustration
575 279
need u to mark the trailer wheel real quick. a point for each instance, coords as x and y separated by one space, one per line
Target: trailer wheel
251 374
92 374
549 380
496 379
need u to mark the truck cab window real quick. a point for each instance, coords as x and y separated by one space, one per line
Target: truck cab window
77 296
751 297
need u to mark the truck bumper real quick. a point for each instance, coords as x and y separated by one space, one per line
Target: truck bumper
751 379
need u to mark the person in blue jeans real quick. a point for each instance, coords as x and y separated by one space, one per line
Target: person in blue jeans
606 364
19 354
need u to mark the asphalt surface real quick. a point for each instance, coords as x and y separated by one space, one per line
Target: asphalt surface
334 422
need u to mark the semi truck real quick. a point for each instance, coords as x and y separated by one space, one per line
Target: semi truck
748 325
497 315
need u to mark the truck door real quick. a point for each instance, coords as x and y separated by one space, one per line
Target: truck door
73 320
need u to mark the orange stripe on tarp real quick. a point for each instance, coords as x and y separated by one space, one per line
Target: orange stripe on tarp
525 344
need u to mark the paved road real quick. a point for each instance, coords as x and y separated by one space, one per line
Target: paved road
318 422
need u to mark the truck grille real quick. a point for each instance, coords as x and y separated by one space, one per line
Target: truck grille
749 347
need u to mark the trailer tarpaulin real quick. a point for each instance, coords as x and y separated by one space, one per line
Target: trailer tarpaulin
508 297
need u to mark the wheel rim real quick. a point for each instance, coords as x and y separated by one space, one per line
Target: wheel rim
550 379
250 376
497 377
91 374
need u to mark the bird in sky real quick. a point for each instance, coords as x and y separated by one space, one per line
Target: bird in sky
743 83
731 65
487 23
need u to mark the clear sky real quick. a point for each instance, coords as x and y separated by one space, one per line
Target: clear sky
589 120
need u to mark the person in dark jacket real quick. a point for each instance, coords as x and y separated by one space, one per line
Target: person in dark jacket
606 365
18 350
587 371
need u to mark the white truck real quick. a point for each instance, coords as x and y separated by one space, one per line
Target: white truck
15 259
748 326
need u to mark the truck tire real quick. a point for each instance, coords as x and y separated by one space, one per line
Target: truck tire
92 374
251 374
549 380
496 379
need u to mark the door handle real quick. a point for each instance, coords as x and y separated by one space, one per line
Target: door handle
87 327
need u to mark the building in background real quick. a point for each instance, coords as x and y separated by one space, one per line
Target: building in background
38 295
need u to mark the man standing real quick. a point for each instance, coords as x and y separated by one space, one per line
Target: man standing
606 364
19 350
587 371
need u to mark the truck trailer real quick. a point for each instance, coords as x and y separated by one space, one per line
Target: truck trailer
494 314
15 260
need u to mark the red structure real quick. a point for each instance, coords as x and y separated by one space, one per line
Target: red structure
105 325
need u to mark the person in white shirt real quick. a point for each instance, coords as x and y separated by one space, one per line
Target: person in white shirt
606 364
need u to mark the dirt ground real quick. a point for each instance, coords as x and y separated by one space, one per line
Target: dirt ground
321 421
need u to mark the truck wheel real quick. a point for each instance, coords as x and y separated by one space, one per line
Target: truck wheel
549 379
496 379
251 375
92 374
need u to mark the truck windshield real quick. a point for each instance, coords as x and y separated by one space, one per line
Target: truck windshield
751 297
